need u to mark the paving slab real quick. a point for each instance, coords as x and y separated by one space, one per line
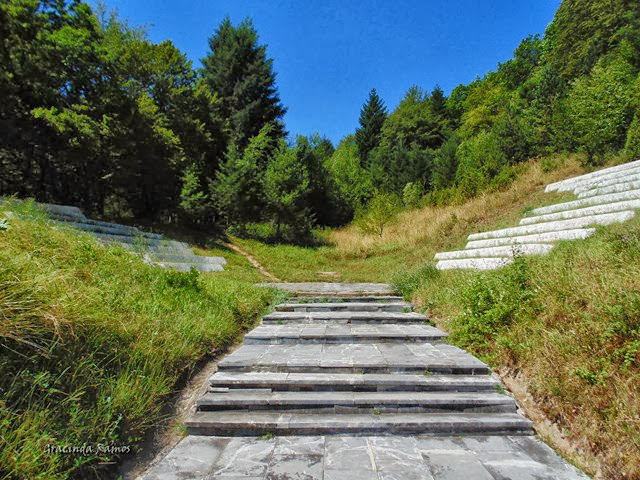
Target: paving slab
342 333
585 211
353 358
574 234
489 263
397 306
343 317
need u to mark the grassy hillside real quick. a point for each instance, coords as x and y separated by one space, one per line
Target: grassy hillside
93 341
567 325
414 236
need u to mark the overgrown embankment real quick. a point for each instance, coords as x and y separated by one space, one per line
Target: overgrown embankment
568 325
93 342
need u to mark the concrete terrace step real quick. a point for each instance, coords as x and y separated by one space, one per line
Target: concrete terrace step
343 317
368 382
583 212
590 177
184 258
354 358
119 230
186 267
507 251
359 402
350 333
617 188
255 423
573 234
588 202
556 226
398 307
474 263
618 184
321 289
610 177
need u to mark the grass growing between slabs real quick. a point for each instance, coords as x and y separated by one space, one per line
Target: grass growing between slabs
93 343
415 235
567 325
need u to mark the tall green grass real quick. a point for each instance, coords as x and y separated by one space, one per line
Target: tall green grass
568 324
93 341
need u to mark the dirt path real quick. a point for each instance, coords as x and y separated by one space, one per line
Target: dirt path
253 261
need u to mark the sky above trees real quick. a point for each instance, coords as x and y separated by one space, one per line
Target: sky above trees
329 54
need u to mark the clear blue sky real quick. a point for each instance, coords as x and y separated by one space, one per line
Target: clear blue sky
328 54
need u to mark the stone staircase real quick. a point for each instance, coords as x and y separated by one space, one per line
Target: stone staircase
604 197
330 375
154 247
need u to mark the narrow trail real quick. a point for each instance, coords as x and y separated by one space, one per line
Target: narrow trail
253 261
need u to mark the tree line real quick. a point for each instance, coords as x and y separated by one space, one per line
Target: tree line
95 114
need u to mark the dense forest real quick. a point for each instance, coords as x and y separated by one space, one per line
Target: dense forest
95 114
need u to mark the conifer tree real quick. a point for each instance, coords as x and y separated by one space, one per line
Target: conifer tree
238 70
372 117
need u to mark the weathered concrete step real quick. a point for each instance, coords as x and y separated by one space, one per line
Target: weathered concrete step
349 333
398 307
135 239
491 263
587 202
368 382
347 299
506 251
185 258
556 226
624 184
113 230
437 358
282 423
574 234
63 211
186 267
343 317
602 179
570 183
359 402
332 289
583 212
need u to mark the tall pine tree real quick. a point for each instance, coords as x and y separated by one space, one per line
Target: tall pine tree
372 117
238 70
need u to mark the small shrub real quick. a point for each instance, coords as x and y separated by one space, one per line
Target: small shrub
382 208
411 194
407 283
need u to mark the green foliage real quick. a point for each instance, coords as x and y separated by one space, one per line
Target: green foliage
380 210
412 194
4 225
238 70
372 117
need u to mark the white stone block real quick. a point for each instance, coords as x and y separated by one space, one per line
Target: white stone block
474 264
588 202
572 182
570 224
576 234
583 212
506 251
615 188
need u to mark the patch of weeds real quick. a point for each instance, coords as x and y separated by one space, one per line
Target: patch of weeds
279 322
500 389
376 411
406 310
4 225
427 373
266 436
408 282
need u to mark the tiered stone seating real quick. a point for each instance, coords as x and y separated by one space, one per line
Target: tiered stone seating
154 247
606 196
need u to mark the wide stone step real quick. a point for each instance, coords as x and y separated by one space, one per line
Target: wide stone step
359 402
348 299
424 358
399 307
119 230
186 267
349 333
109 237
583 212
474 263
506 251
603 179
611 186
368 382
571 183
63 211
574 234
343 317
185 258
587 202
556 226
234 423
317 289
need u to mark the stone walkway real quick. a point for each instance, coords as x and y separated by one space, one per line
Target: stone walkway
356 387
